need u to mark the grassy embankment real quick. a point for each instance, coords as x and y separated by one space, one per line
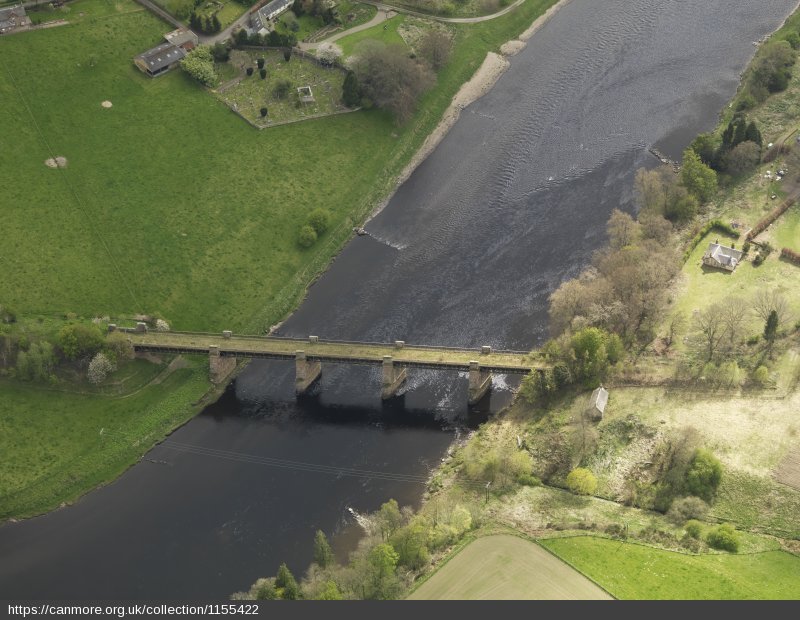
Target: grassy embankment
170 205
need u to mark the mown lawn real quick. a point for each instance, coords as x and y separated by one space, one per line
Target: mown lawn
388 35
51 446
630 571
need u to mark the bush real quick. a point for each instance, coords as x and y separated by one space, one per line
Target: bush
118 347
260 63
791 256
581 481
723 537
687 508
704 475
694 528
249 71
287 54
318 219
220 52
262 73
199 63
307 237
263 112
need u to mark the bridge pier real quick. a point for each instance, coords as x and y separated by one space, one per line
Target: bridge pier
305 372
393 378
219 367
479 382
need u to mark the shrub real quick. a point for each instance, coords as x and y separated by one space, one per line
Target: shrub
307 237
687 508
7 315
199 63
260 63
774 215
262 73
791 255
693 528
761 376
220 52
249 71
118 347
723 537
581 481
704 475
282 89
99 368
162 325
263 112
318 219
287 54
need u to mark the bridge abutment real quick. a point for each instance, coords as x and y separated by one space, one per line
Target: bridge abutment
393 378
479 382
219 367
306 372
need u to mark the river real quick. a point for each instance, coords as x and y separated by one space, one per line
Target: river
512 202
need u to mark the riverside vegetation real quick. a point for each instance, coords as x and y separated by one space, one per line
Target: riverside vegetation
173 236
683 477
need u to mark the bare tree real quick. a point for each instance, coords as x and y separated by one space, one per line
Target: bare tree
767 302
733 313
622 230
391 79
712 327
676 325
434 47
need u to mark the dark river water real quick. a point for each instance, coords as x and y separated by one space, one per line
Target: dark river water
511 203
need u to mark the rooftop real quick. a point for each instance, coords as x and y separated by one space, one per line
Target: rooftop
161 56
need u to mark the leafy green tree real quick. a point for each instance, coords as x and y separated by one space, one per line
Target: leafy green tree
220 52
266 591
743 158
323 555
78 341
351 90
592 350
704 475
383 561
330 592
216 26
581 481
286 584
411 544
697 178
705 145
319 220
241 37
389 518
287 54
307 237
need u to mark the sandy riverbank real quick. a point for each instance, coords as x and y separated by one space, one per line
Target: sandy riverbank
494 65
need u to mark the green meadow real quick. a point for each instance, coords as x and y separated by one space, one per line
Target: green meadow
631 571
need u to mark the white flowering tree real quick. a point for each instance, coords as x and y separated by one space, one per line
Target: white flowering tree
162 325
99 368
329 53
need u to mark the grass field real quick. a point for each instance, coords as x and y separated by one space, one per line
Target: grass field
51 449
504 567
171 204
630 571
389 35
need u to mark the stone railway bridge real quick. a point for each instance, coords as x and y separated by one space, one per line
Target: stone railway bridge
309 355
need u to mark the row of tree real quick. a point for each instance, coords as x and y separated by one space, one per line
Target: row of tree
206 25
736 152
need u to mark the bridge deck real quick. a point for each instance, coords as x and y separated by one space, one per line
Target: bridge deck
331 351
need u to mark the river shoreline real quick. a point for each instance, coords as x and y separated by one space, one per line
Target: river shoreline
494 65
